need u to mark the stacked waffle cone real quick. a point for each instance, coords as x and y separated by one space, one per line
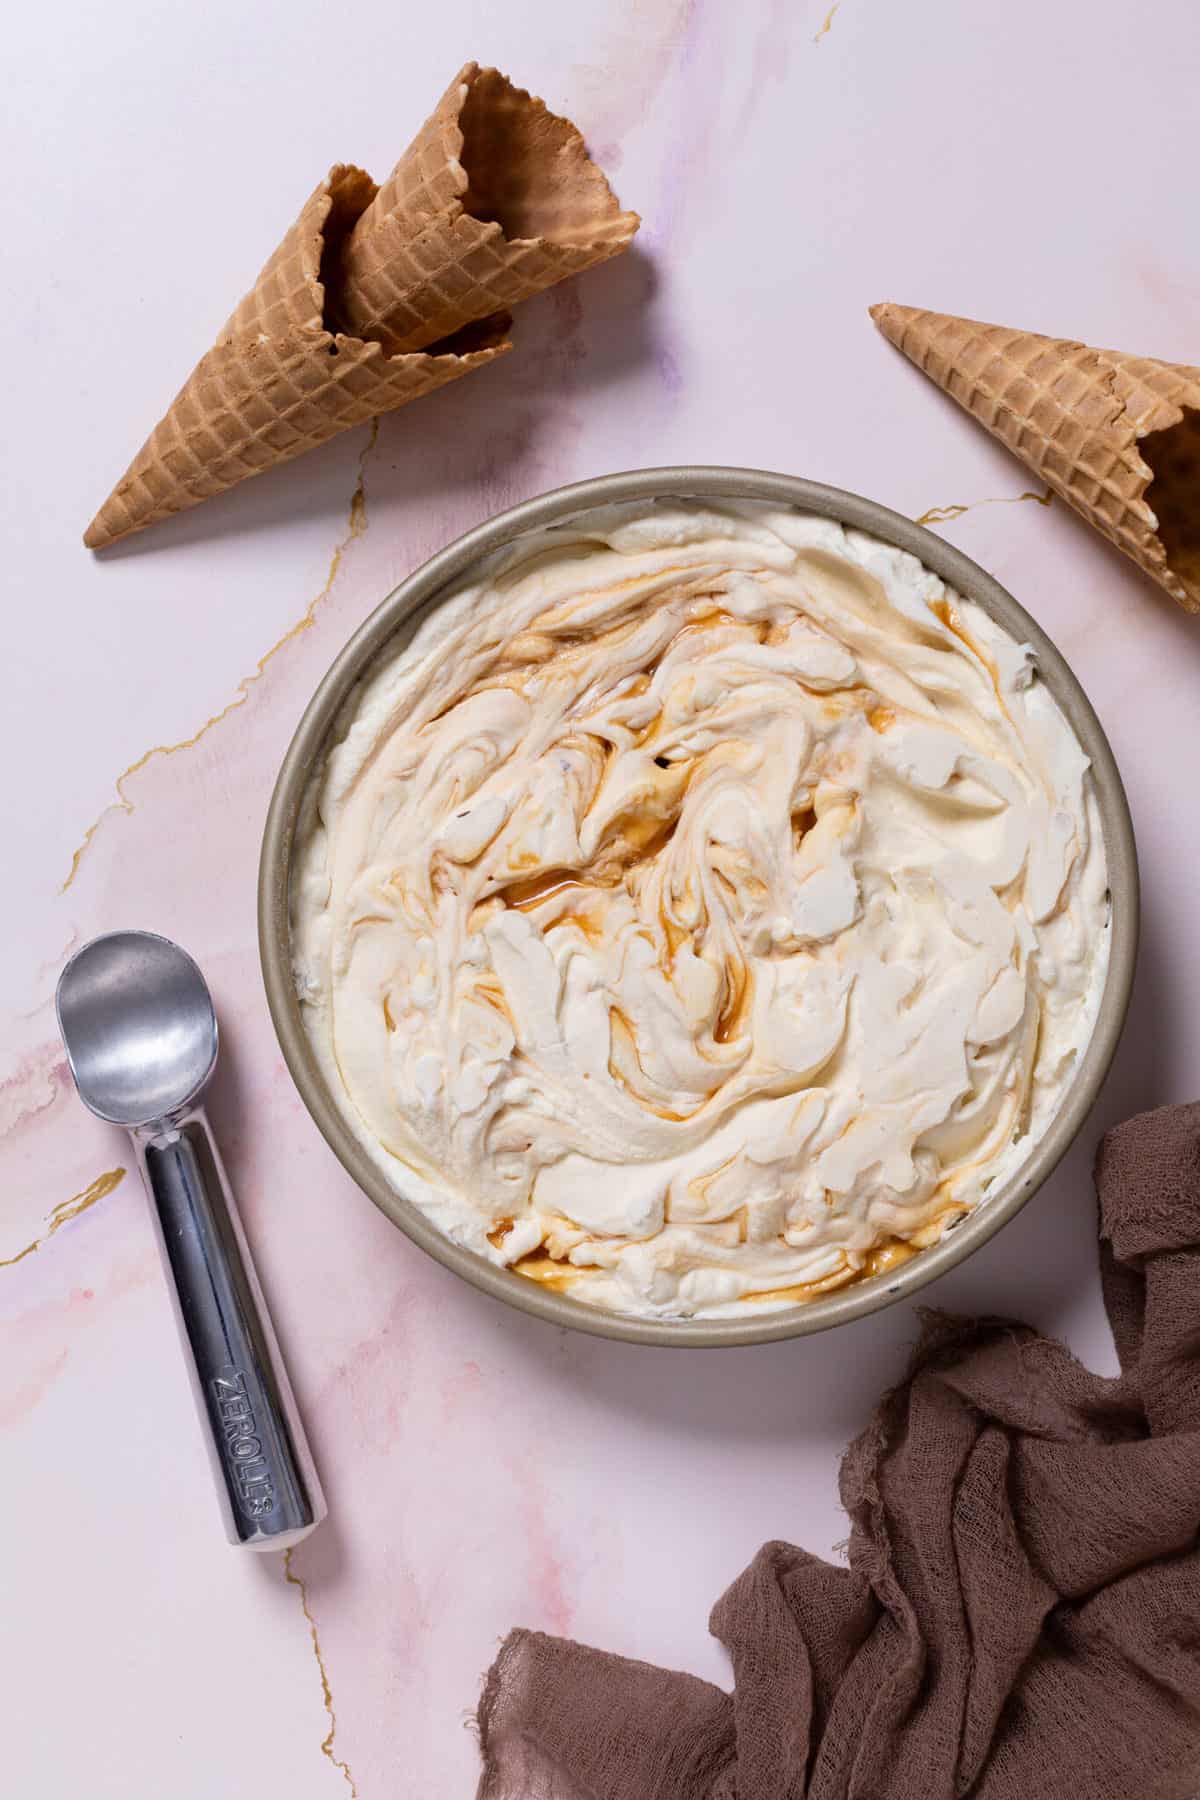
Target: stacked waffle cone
1116 436
379 295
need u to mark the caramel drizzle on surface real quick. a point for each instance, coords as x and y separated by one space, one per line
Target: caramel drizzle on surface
633 840
537 1266
559 1275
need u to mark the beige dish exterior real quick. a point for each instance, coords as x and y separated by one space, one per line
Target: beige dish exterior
394 622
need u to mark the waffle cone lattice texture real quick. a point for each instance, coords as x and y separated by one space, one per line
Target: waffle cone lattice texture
494 200
379 295
1116 436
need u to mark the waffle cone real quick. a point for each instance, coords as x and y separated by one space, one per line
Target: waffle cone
495 199
1116 436
278 381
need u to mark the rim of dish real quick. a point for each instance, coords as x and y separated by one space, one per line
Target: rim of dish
435 580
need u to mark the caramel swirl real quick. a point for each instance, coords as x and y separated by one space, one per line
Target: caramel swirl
703 908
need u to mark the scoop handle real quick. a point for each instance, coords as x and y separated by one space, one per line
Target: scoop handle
267 1485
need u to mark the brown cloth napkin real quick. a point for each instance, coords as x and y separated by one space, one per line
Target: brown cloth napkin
1021 1613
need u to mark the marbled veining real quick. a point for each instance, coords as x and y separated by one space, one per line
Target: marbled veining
482 1470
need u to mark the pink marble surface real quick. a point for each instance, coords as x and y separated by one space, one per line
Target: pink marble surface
792 164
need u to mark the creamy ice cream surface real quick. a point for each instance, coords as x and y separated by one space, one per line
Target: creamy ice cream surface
706 906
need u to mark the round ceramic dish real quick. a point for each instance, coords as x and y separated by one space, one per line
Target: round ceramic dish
390 627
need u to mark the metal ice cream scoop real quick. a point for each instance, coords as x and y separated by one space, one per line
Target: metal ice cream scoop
141 1036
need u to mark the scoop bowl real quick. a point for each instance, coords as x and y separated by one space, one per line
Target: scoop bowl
139 1027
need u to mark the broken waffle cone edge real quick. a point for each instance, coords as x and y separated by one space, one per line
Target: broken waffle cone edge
431 252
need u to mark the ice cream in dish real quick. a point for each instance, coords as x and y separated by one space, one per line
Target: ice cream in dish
707 906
